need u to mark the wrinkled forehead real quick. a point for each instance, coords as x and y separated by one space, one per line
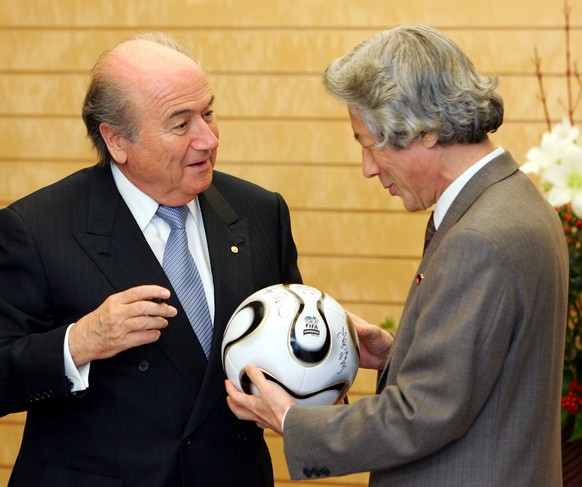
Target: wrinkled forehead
158 77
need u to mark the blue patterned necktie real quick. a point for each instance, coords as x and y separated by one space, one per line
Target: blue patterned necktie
181 270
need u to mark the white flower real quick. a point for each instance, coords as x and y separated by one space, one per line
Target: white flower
551 148
558 162
564 180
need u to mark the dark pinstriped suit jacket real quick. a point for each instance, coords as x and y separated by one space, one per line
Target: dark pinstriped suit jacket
153 416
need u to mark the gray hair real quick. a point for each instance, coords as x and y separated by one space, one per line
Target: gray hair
413 80
110 101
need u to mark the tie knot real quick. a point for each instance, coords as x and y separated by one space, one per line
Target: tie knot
175 216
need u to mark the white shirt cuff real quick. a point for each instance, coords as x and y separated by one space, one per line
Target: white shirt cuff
284 416
79 377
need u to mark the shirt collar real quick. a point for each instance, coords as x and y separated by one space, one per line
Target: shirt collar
143 207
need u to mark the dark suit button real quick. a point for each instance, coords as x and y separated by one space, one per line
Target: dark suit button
320 471
307 472
143 366
241 437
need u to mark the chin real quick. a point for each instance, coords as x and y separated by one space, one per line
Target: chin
203 181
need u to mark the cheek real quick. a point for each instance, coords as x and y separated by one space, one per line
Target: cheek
385 163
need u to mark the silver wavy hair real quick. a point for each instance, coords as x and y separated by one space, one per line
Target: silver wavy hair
412 80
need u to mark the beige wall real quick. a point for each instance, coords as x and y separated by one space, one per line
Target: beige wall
278 127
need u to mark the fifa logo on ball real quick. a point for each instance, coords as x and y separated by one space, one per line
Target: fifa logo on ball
311 327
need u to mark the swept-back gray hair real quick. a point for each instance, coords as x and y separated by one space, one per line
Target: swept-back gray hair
110 101
412 80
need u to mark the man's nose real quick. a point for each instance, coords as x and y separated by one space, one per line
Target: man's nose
204 137
369 166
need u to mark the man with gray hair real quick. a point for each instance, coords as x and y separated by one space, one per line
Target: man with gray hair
468 392
116 285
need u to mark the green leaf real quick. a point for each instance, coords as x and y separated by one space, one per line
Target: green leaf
567 378
388 324
577 432
565 418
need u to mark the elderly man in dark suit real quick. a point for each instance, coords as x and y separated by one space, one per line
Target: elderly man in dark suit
469 391
108 340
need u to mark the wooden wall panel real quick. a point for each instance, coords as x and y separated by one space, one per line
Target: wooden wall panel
10 435
278 126
346 233
364 384
360 279
275 50
280 13
280 97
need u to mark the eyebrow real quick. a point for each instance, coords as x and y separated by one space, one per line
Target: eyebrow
178 113
359 140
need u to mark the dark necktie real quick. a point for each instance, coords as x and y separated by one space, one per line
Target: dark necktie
430 230
181 270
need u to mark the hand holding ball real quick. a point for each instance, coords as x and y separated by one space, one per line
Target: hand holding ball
301 338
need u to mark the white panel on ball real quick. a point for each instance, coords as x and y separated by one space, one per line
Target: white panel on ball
301 338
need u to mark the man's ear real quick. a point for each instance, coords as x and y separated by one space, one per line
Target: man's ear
429 140
115 143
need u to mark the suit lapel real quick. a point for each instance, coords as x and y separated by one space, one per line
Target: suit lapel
115 243
499 168
113 239
496 170
229 246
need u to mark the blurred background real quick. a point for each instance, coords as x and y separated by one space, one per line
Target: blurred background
278 127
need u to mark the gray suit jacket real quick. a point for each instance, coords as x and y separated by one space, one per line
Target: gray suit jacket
154 415
470 395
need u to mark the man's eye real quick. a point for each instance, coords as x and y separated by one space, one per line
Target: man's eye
181 126
208 115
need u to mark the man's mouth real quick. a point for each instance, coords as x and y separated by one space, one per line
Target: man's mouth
198 163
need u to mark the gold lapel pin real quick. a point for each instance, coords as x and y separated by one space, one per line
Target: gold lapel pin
234 249
419 277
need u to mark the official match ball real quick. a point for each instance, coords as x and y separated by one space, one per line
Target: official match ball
301 338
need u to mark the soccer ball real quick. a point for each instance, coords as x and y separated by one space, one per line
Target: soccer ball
301 338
